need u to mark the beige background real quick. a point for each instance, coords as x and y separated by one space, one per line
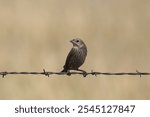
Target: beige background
35 34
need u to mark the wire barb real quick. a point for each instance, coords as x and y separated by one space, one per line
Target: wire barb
3 74
93 73
139 73
46 73
84 74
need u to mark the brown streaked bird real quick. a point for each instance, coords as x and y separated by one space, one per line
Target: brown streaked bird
76 56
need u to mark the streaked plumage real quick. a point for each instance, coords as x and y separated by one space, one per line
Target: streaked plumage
76 56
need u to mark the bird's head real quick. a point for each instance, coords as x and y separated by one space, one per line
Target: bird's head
77 42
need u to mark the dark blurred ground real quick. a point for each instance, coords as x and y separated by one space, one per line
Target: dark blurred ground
35 34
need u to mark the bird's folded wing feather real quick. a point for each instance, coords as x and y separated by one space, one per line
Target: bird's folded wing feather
70 56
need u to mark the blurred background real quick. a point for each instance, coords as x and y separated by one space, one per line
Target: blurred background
35 34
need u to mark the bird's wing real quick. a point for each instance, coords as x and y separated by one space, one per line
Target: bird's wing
69 57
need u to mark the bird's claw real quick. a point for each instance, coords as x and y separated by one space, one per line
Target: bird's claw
85 74
68 73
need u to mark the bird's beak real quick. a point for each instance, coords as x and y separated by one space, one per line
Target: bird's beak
71 41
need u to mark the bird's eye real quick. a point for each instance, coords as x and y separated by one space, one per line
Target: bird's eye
77 41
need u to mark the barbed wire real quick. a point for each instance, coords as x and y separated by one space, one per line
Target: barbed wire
84 74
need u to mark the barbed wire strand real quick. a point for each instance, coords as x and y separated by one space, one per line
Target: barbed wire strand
84 74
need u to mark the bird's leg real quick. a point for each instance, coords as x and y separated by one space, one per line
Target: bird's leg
84 72
68 73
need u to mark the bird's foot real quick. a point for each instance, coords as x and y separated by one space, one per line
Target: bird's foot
68 73
84 72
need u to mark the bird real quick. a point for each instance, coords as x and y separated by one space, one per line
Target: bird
76 56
